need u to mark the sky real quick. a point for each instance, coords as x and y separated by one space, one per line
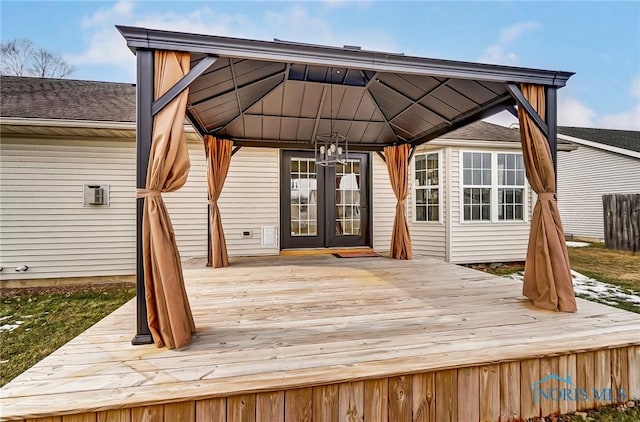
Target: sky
598 40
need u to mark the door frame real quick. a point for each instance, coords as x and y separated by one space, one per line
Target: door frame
325 214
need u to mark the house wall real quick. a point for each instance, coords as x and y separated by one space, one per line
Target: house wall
487 241
249 200
584 175
46 227
384 205
44 223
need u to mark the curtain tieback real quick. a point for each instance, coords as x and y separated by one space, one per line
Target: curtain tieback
143 193
212 202
547 196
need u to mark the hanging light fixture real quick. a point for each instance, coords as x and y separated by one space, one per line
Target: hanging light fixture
331 148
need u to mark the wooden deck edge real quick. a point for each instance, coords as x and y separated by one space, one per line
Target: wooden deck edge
507 390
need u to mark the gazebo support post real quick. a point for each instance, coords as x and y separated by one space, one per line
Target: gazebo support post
551 119
144 129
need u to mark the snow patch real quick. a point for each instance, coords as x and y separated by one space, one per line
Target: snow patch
594 289
574 244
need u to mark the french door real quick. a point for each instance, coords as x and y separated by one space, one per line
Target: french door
324 206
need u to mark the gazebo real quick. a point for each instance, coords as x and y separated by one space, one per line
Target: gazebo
279 94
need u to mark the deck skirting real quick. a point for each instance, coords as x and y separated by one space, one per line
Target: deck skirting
504 391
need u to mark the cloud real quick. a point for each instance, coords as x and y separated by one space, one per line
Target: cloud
495 54
499 53
106 47
629 120
511 33
572 112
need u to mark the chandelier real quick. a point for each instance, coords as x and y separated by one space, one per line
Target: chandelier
331 148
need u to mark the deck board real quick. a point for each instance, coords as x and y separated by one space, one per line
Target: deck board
285 323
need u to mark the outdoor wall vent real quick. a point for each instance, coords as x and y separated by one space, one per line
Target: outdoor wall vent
269 236
96 195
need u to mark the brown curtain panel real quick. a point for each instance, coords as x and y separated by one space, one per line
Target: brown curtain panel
547 274
218 159
169 314
397 158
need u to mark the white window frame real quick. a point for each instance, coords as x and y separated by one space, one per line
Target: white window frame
414 196
503 186
494 189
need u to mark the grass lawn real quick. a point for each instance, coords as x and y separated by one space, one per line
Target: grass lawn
45 319
607 265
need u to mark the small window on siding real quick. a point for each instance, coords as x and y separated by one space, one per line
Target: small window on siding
511 178
427 187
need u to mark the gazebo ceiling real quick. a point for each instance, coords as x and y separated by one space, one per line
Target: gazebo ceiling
282 94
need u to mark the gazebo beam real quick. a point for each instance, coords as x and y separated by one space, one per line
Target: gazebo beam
183 83
514 90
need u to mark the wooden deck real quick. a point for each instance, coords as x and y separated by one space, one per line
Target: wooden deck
321 338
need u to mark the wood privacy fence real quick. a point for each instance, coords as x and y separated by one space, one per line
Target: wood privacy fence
622 221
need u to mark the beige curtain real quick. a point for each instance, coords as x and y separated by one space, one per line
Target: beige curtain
397 158
168 312
218 158
547 274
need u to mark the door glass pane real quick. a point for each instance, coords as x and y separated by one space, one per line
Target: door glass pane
348 199
304 197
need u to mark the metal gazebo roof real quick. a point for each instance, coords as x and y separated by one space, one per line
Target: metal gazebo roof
283 94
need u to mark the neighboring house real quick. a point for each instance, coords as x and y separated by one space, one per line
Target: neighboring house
606 161
61 138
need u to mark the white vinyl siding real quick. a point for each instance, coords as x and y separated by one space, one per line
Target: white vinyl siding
497 241
250 199
584 175
383 203
45 226
428 238
44 223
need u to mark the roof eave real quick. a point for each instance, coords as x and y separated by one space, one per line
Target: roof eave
144 38
598 145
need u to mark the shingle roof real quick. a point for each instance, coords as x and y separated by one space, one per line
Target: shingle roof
484 131
67 99
626 139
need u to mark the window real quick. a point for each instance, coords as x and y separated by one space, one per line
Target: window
304 197
477 186
493 186
510 187
427 187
